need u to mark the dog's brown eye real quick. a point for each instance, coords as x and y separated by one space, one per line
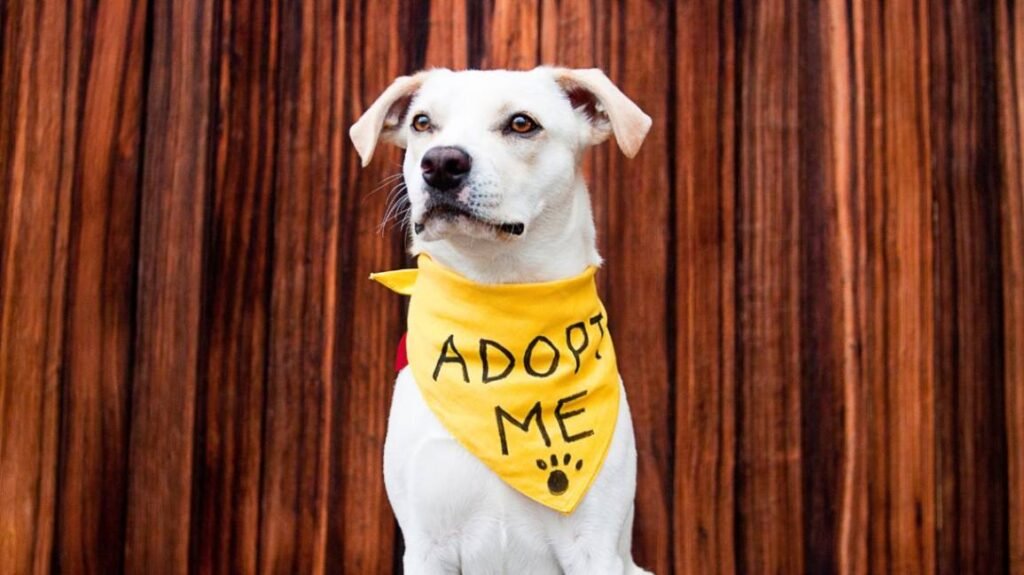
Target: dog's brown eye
421 123
522 124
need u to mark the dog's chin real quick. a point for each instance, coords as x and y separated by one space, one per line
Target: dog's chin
434 229
440 224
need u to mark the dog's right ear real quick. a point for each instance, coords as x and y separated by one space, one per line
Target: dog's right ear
382 120
607 110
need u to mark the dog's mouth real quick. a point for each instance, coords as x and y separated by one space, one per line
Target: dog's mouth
451 211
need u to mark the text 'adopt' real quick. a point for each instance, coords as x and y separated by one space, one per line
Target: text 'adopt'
577 339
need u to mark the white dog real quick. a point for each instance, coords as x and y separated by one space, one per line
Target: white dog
492 165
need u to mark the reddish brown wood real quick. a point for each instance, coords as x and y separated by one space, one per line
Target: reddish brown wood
832 401
373 318
447 38
39 63
814 268
637 297
705 440
770 528
174 193
970 402
1010 87
233 375
898 306
568 36
99 328
300 370
513 40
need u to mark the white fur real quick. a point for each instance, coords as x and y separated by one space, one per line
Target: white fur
456 515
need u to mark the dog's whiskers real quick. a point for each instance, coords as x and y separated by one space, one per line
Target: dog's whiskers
398 207
383 183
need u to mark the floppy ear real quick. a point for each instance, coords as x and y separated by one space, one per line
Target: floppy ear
607 109
382 120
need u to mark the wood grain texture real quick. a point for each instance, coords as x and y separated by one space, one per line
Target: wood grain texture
1010 89
704 520
972 537
233 372
38 98
373 321
815 268
168 344
899 307
302 330
768 222
99 330
637 295
832 402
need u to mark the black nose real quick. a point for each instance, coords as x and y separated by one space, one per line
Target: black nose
445 167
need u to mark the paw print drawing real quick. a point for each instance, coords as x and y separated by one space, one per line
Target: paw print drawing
558 481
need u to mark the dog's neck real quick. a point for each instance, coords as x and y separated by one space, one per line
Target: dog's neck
559 243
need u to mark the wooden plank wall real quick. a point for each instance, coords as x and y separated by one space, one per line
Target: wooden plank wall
815 269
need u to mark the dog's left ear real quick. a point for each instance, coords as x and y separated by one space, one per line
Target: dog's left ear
606 108
382 120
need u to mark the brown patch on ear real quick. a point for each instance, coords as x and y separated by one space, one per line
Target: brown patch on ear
606 107
396 114
382 120
583 100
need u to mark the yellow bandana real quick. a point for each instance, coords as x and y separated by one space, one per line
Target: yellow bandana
522 375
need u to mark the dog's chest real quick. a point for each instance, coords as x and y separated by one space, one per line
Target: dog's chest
438 486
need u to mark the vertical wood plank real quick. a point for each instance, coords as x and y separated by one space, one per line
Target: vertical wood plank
970 480
1010 82
705 440
38 107
373 317
638 295
816 267
447 35
230 420
891 53
175 189
853 507
101 293
567 35
514 40
770 531
833 447
302 373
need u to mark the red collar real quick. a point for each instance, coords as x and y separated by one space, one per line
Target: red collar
401 356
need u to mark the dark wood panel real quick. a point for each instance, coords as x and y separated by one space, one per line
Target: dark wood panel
373 318
302 328
236 287
1010 87
100 321
972 532
511 27
638 295
833 415
815 268
38 96
169 341
891 46
704 523
767 220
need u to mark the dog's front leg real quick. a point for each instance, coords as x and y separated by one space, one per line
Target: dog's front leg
591 557
422 558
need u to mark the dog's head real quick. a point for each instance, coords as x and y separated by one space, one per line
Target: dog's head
488 152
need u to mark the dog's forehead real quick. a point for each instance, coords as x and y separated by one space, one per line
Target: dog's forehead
489 91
